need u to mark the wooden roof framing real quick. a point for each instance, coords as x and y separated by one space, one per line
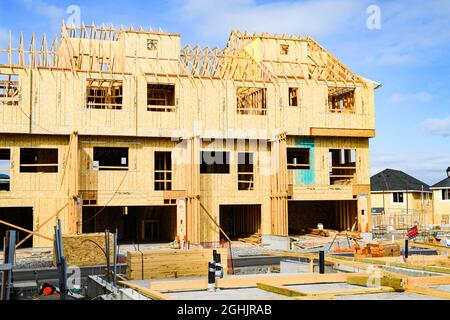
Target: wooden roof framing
89 48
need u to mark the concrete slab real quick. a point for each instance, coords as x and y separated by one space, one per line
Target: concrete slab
323 287
231 294
276 242
444 287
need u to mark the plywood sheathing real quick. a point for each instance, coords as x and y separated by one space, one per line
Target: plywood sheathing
86 249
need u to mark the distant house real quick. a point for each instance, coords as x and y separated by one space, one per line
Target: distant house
441 202
400 200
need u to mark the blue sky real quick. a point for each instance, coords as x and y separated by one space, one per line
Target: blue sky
409 54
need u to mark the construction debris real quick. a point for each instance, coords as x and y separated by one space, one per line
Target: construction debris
254 239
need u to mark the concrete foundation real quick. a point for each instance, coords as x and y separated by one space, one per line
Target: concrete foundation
276 242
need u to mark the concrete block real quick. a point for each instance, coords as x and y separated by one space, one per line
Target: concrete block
276 242
290 266
367 236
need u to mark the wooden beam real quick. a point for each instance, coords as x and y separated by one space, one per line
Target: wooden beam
152 294
395 283
214 221
331 132
251 282
428 281
334 260
175 194
429 292
351 292
398 265
321 297
41 225
24 230
279 290
437 247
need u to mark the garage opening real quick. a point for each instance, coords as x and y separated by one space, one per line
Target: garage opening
335 215
155 224
240 221
21 217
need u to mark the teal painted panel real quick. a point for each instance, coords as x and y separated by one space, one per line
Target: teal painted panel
306 177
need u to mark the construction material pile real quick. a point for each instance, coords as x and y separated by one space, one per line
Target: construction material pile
161 264
378 250
254 239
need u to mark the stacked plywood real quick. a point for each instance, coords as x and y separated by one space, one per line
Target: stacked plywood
86 249
161 264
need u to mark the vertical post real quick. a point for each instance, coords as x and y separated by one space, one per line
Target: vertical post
108 266
322 262
211 276
406 248
218 263
9 252
61 261
115 257
2 291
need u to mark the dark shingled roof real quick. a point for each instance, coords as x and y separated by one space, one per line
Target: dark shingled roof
395 180
443 184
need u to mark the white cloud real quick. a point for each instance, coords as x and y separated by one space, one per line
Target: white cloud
217 18
54 13
399 98
4 38
426 166
411 32
440 127
392 59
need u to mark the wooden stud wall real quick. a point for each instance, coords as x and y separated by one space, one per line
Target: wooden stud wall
53 105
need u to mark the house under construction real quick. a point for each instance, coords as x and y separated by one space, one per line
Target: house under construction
120 128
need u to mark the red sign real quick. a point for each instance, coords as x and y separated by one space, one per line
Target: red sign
413 232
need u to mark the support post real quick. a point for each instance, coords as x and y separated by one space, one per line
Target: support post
322 262
9 251
279 187
406 248
60 261
193 191
211 276
115 258
108 265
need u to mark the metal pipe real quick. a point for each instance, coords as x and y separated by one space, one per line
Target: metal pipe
211 276
108 266
406 248
115 258
218 262
322 262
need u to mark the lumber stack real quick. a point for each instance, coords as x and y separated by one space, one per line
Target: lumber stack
86 249
378 250
254 239
168 263
391 250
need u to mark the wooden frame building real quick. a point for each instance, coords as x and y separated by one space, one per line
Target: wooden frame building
122 128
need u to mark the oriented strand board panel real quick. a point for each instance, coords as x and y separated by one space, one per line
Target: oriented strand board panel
86 249
161 264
